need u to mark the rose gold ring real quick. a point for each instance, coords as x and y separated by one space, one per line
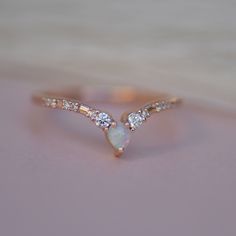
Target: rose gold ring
117 133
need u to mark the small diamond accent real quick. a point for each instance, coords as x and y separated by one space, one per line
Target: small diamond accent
145 114
135 120
102 119
160 106
93 114
71 106
50 102
163 105
168 105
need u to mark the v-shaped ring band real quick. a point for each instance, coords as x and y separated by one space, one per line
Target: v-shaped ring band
117 133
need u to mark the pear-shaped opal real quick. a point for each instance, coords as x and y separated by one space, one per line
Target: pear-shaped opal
119 136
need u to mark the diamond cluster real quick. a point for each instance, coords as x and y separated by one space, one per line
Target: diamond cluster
61 104
136 119
50 102
102 119
70 106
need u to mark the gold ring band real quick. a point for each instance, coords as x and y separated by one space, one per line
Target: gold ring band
117 133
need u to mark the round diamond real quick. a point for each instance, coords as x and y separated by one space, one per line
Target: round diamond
103 120
135 120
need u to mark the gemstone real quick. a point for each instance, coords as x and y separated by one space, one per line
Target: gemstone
71 106
158 107
168 105
118 136
51 102
163 105
145 114
135 120
103 120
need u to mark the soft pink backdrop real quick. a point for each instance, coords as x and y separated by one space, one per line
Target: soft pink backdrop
57 173
176 178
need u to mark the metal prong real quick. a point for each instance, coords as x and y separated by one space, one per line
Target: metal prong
113 124
124 117
119 152
127 125
105 129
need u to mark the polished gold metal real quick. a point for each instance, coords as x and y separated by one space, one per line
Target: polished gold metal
76 101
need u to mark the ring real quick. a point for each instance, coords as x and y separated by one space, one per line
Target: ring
117 133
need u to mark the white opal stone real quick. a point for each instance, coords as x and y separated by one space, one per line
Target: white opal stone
118 136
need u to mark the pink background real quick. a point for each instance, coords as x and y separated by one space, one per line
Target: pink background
58 175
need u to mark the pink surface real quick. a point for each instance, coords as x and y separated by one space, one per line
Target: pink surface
178 176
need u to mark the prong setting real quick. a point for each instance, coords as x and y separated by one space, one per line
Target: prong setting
119 152
118 137
101 119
